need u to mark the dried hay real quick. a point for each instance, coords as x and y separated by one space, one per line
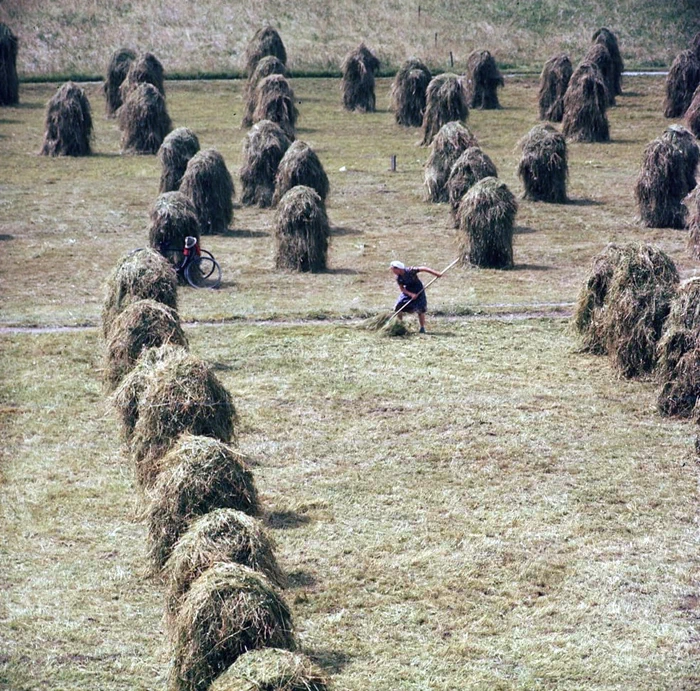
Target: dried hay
271 669
173 218
692 115
609 40
209 185
117 70
175 153
358 69
543 167
263 149
300 165
144 69
684 140
228 611
394 329
681 81
446 101
451 141
585 103
266 66
274 100
486 217
692 204
143 120
599 55
484 80
472 165
265 42
9 81
408 93
554 81
68 123
695 44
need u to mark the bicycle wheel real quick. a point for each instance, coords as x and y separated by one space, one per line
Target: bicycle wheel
212 265
203 272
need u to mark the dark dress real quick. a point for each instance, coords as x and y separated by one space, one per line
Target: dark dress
410 281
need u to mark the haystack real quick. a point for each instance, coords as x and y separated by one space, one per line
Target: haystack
484 80
300 166
117 70
692 204
266 41
144 69
173 218
221 535
486 218
199 474
301 231
446 101
183 395
599 55
585 103
609 40
543 167
274 100
681 81
175 153
68 123
143 324
271 669
228 611
9 81
408 93
263 149
692 115
451 141
358 70
472 165
554 81
143 120
209 185
267 66
139 275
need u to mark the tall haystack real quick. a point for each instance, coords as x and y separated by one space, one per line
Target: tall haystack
267 66
599 55
484 80
265 42
684 140
199 474
117 70
140 275
274 100
446 101
143 120
609 40
472 165
486 219
585 105
263 149
271 669
175 153
228 611
301 231
554 81
143 324
68 123
9 81
300 165
173 218
543 167
209 185
220 535
146 68
449 143
692 204
408 93
358 70
692 115
681 81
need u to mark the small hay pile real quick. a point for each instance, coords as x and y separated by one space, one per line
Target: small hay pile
301 231
358 69
117 70
300 165
585 104
692 115
408 93
267 66
484 80
486 218
221 535
68 123
446 101
599 55
263 149
451 141
681 81
692 204
609 40
143 120
139 275
274 100
554 81
271 669
543 167
173 218
144 69
228 611
9 81
209 185
143 324
265 42
175 153
472 165
199 474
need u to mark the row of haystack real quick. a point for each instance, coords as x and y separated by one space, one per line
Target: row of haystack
228 622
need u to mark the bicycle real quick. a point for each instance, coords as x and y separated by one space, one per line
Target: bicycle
198 266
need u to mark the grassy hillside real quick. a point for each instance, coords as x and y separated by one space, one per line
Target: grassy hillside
78 36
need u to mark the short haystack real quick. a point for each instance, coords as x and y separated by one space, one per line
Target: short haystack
472 165
408 93
484 80
449 143
358 70
117 70
146 68
173 218
68 123
274 100
554 81
681 81
143 120
585 104
267 66
446 101
599 55
609 40
300 165
175 153
543 167
265 42
9 81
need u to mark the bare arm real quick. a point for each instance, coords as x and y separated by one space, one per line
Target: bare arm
428 270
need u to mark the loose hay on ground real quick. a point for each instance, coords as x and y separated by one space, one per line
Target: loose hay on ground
68 124
446 101
452 140
300 165
543 167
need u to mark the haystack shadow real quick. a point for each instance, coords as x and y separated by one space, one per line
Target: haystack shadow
342 230
286 520
333 661
242 233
